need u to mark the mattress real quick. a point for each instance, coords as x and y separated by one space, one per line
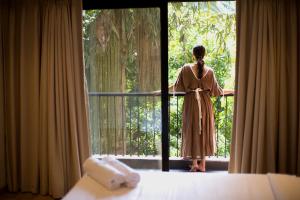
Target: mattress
184 185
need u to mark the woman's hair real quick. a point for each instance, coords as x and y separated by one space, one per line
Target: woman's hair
199 52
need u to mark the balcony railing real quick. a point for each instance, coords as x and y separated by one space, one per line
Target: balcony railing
130 123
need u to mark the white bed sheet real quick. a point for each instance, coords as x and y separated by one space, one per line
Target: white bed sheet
285 187
177 185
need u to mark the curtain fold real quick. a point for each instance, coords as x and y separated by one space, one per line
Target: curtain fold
266 133
44 97
2 127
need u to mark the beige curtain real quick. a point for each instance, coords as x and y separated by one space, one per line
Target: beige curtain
43 98
2 137
266 131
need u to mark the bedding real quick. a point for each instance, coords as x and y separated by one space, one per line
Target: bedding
185 185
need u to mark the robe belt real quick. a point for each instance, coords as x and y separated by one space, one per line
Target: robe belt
198 98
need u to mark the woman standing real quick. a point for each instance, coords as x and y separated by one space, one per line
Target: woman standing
198 132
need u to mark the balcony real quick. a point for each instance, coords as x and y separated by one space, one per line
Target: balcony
128 125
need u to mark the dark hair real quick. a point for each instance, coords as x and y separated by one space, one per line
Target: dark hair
199 52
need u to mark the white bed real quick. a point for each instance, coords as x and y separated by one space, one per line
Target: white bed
184 185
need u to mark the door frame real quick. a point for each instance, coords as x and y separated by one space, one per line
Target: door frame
163 6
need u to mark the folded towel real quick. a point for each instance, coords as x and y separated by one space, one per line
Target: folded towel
132 177
103 173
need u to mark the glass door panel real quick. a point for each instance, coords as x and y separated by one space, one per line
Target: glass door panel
211 24
123 68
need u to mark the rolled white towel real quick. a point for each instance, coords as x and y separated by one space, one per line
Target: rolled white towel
103 173
132 177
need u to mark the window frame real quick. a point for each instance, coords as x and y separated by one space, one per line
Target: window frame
163 6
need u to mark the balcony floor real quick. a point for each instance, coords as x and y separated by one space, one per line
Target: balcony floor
213 164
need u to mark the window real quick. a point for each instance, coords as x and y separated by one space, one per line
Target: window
132 48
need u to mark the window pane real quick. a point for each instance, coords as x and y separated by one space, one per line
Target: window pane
122 60
211 24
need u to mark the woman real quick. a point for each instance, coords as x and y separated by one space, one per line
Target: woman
198 132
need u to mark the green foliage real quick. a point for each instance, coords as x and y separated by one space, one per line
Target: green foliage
143 125
175 125
206 24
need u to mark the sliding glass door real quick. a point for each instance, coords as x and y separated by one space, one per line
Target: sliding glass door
122 53
132 51
211 24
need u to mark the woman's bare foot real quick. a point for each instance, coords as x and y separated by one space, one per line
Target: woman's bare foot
194 167
202 166
202 169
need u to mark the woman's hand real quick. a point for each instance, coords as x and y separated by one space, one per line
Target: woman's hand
228 92
157 92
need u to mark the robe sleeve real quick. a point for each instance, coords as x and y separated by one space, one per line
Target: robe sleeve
215 89
179 83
